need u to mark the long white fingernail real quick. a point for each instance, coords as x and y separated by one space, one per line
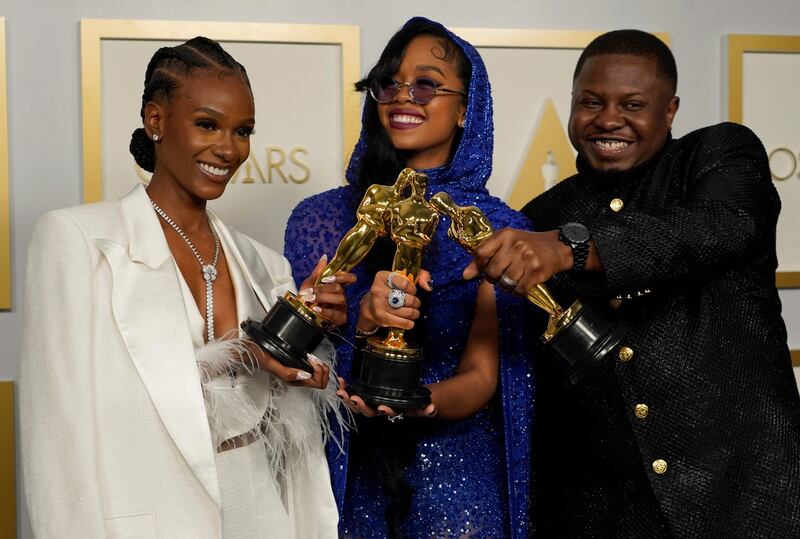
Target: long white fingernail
308 295
323 258
328 279
312 358
303 375
316 309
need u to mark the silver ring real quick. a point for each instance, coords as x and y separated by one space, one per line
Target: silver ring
396 298
393 418
507 281
389 278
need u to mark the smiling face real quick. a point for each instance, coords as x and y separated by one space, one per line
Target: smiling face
427 132
204 133
621 111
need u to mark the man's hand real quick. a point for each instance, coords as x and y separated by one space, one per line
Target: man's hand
521 257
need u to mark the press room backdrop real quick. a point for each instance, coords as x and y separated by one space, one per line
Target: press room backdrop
61 151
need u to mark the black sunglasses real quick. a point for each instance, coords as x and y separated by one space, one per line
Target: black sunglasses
422 89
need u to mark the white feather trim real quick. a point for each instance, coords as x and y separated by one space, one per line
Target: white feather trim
288 420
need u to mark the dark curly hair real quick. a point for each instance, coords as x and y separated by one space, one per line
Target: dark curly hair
167 67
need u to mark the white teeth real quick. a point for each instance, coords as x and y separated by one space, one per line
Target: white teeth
406 119
214 171
611 144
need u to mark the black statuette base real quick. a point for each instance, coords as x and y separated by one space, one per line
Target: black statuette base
286 335
392 382
581 345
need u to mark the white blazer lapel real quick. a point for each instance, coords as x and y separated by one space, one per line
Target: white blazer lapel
149 310
256 275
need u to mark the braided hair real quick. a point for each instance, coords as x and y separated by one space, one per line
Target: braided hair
167 67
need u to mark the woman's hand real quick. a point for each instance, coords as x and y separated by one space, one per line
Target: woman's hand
357 405
376 309
294 377
328 297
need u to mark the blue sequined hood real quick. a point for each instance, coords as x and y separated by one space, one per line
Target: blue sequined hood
472 162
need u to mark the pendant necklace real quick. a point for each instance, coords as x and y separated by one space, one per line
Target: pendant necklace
209 270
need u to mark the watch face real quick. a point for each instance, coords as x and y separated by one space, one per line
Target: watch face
575 232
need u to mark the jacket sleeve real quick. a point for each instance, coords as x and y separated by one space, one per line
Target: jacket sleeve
728 209
57 407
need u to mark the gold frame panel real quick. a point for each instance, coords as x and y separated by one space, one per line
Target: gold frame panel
737 45
8 476
534 39
5 203
93 31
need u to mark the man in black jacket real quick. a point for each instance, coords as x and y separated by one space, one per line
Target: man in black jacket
691 428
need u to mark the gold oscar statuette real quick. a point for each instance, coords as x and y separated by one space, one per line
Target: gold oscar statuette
387 371
578 336
291 328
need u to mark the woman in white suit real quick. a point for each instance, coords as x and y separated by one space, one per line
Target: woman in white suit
143 414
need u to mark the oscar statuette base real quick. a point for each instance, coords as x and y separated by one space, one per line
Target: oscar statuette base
289 332
582 340
389 376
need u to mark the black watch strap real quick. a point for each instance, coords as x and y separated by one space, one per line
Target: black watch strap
580 253
577 237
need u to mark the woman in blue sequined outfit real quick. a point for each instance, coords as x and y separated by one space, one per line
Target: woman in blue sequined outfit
465 471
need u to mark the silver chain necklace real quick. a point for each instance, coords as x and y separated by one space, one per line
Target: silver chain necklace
209 270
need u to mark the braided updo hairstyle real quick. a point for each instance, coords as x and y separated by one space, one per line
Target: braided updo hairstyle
163 77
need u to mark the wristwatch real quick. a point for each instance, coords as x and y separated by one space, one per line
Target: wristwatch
577 237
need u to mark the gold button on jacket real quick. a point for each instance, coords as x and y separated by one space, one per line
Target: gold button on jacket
641 410
616 204
660 466
625 353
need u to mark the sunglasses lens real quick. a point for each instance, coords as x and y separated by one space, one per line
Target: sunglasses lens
383 89
424 89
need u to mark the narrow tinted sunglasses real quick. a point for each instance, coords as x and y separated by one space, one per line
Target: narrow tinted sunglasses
422 89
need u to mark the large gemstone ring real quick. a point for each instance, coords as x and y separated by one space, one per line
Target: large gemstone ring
390 279
397 298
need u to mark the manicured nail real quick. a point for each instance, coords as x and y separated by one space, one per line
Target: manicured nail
323 258
328 279
316 309
303 375
313 359
308 294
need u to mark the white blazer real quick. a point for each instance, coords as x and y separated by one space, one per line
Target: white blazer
115 437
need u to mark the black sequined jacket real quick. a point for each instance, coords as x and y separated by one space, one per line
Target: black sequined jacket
698 433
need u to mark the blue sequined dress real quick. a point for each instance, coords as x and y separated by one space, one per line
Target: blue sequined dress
470 477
